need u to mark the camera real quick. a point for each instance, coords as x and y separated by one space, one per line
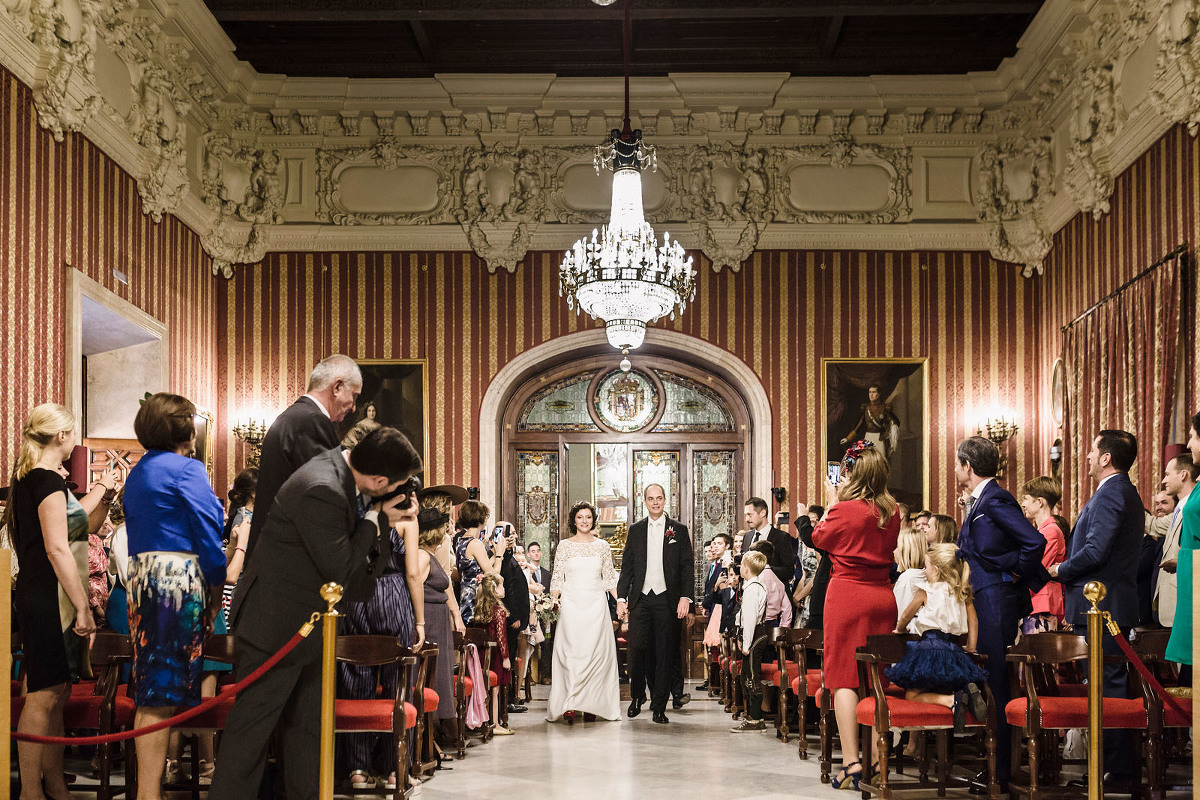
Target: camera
406 490
834 470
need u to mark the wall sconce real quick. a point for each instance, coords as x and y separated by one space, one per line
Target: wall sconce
998 428
252 430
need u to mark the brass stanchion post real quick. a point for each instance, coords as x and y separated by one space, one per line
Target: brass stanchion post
1095 591
331 593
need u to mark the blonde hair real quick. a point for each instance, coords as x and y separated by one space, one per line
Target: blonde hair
951 569
755 561
486 600
910 549
868 481
45 422
435 536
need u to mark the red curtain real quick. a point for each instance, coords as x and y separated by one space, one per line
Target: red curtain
1120 366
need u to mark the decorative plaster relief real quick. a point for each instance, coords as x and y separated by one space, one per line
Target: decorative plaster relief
388 154
1014 182
842 181
1177 74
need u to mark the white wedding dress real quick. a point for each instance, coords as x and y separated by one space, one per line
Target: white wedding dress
584 675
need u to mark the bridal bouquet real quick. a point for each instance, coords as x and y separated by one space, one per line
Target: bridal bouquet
546 608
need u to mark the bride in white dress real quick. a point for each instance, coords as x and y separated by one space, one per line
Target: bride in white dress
585 650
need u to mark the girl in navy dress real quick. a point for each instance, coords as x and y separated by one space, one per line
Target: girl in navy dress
935 668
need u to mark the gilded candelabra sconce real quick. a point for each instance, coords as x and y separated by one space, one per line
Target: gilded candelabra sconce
252 432
999 429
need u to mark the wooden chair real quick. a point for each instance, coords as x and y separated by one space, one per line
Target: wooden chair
1044 709
806 683
779 676
397 715
885 712
102 705
426 701
217 647
484 645
1150 645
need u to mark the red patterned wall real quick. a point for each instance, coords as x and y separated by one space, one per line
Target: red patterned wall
782 313
1155 207
68 206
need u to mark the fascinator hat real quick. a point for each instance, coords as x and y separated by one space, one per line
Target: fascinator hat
854 452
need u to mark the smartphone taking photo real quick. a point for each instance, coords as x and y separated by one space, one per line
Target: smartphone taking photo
834 470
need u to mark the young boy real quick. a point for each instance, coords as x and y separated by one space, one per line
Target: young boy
750 615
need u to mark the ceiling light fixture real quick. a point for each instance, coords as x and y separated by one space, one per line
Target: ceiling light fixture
621 274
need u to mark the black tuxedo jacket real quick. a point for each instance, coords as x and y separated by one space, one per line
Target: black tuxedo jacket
301 432
677 563
516 590
783 561
546 576
312 536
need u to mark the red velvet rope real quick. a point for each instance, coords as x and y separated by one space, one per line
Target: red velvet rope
1144 671
184 716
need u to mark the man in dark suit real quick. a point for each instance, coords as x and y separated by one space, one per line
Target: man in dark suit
1004 552
516 601
758 528
307 427
653 594
1105 546
542 577
314 535
718 593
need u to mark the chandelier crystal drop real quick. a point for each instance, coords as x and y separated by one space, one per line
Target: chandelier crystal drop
622 274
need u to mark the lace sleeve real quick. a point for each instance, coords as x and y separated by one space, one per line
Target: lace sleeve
608 573
558 576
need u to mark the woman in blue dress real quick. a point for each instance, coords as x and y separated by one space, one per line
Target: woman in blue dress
473 555
176 573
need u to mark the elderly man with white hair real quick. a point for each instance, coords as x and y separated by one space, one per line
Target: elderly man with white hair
303 431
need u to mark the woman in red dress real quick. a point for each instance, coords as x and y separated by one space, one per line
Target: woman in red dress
858 533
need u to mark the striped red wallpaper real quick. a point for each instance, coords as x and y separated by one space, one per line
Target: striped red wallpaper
780 314
1155 207
68 206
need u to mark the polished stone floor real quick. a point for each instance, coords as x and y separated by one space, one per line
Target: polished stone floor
693 757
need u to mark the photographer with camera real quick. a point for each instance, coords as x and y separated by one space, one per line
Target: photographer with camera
319 530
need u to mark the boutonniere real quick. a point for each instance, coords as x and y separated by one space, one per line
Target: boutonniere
669 533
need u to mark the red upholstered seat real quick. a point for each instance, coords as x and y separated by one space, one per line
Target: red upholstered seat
771 672
431 700
468 685
1072 712
911 714
493 679
1173 719
83 711
369 715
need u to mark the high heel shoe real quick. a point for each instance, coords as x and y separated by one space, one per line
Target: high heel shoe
848 779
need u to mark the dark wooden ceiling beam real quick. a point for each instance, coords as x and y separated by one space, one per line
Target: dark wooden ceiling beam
833 34
462 11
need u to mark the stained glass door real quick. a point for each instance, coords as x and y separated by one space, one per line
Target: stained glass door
661 467
714 492
537 499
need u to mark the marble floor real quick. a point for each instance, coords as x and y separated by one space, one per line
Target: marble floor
693 757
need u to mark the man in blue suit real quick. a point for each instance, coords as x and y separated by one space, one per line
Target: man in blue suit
1105 547
1004 552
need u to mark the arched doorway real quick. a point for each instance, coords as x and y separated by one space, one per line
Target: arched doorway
583 430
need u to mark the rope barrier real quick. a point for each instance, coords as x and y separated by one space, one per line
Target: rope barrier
1133 658
184 716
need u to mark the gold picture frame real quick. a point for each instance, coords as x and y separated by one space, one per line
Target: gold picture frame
205 427
844 392
392 387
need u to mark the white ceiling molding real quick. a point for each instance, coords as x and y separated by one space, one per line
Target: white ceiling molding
502 164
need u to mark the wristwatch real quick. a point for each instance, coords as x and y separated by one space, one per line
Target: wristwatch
622 600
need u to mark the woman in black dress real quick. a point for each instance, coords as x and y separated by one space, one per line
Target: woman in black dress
45 519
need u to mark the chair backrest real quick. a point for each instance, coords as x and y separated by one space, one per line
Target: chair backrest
1150 643
110 647
790 636
887 648
372 650
221 647
1051 647
479 637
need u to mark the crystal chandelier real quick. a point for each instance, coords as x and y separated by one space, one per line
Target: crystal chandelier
621 274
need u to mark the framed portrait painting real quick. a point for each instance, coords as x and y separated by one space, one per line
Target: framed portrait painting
885 401
395 393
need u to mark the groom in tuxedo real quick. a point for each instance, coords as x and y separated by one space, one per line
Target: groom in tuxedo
653 595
